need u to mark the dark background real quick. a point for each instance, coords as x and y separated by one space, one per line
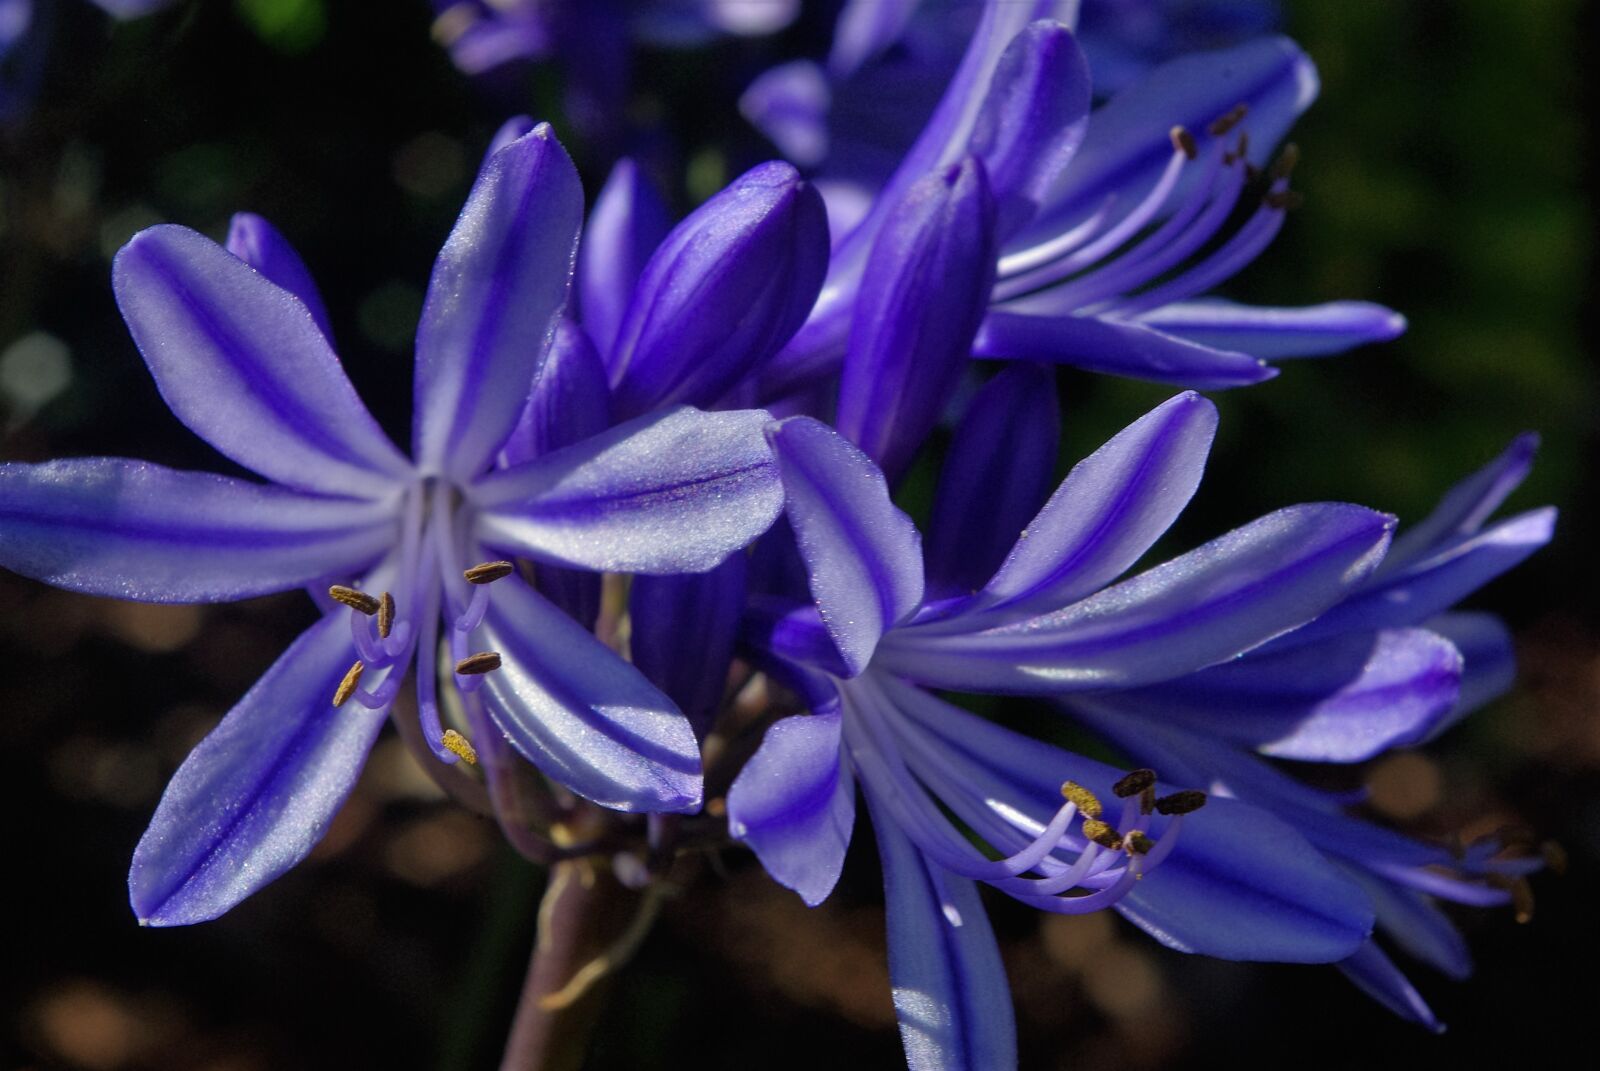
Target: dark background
1448 169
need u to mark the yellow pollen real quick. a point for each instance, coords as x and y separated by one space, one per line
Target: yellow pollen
347 687
1181 802
1102 833
1087 802
385 614
356 600
489 572
1134 782
482 662
1138 844
461 746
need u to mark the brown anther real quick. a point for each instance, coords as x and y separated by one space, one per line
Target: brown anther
1522 900
1087 802
1243 148
1226 122
385 614
1283 166
1137 843
717 807
347 687
489 572
1251 172
1184 142
357 600
1284 200
459 745
482 662
1134 782
1102 833
1181 802
1555 857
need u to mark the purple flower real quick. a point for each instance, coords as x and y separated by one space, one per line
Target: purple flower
236 339
1389 666
1112 226
1051 620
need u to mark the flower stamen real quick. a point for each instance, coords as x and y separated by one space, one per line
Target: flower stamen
358 601
460 746
347 687
488 572
478 664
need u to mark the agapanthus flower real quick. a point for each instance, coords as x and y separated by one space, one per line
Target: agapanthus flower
1390 666
1051 620
1112 227
237 341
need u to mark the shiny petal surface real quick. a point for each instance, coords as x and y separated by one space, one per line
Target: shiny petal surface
260 245
241 361
133 530
497 291
257 793
1275 333
628 221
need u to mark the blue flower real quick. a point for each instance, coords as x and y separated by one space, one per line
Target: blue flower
1049 621
237 342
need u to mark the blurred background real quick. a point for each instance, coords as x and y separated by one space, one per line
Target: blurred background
1448 169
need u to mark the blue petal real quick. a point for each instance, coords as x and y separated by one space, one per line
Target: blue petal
1416 924
1116 347
1490 664
569 403
1276 333
241 362
683 634
260 245
863 555
627 223
581 714
673 492
950 991
789 104
257 793
133 530
496 295
864 29
794 804
1377 976
1466 506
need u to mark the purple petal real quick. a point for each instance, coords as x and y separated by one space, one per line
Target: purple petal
581 714
794 804
789 104
496 295
1377 976
950 990
683 633
1032 120
257 793
1213 603
570 401
260 245
627 223
1342 700
863 555
514 129
1415 923
1109 510
1490 664
1003 456
673 492
723 292
241 362
792 633
1275 333
1116 347
925 291
1466 506
133 530
866 28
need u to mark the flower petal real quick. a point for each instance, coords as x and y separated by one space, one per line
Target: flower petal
1466 506
259 244
133 530
497 291
242 362
1376 975
627 223
789 104
581 714
1211 604
1275 333
683 634
673 492
794 804
950 990
1109 510
864 29
257 793
1115 347
1490 664
863 555
569 403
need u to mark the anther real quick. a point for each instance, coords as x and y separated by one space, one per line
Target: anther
1087 802
1522 900
1181 802
347 687
1102 833
356 600
1137 843
1134 782
1284 200
1184 142
1555 857
460 746
385 615
489 572
1224 123
482 662
1284 164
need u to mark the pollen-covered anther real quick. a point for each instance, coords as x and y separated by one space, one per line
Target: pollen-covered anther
359 601
348 686
1087 802
1138 843
1184 142
1184 802
460 746
1227 121
385 615
482 662
488 572
1134 782
1102 833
